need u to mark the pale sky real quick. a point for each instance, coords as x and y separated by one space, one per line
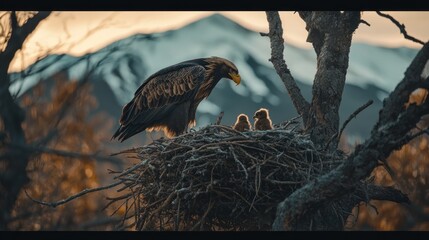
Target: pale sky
77 33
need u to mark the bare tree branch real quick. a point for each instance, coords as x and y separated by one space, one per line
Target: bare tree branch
71 98
80 194
395 102
277 48
360 164
408 137
219 118
39 149
353 115
401 27
391 194
103 24
365 22
18 36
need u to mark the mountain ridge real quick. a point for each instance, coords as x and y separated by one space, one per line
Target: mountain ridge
373 71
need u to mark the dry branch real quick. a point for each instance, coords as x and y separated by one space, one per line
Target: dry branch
219 118
277 47
365 22
401 27
40 149
73 197
353 115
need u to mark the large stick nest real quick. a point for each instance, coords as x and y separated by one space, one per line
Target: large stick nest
218 179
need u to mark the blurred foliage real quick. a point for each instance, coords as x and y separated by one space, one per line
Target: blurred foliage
410 167
54 177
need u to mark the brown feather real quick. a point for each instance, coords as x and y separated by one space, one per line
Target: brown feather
242 124
156 87
263 121
168 99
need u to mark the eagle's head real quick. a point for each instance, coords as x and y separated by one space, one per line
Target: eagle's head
224 68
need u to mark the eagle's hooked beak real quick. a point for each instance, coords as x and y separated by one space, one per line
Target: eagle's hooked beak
235 77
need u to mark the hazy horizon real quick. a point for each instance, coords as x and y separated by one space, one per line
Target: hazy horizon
78 33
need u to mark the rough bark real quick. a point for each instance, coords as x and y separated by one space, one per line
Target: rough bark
390 133
331 35
13 176
332 215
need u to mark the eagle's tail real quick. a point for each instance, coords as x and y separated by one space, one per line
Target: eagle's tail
116 134
126 131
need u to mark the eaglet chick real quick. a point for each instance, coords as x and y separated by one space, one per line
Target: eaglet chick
242 124
263 121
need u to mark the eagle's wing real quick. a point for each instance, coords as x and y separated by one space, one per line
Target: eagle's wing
175 84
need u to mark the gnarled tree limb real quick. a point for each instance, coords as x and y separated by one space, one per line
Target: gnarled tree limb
395 102
401 28
391 194
331 34
277 48
385 138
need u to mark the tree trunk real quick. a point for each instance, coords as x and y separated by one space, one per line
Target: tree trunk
13 175
331 35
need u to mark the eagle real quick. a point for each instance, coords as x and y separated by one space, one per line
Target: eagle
168 99
242 124
263 121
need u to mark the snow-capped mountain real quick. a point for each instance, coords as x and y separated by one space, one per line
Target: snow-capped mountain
373 71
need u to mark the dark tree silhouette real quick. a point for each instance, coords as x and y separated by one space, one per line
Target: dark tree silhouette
19 144
14 175
331 35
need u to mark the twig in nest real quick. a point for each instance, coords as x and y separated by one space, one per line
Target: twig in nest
225 179
219 118
354 114
401 28
238 161
203 218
